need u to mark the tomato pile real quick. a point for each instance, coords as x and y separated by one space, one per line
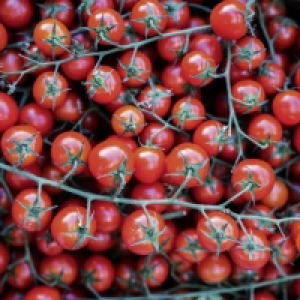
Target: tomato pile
149 150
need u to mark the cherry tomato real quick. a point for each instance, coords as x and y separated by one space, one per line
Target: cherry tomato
272 9
134 67
150 191
128 121
189 247
107 216
254 253
187 164
217 231
187 113
46 244
66 11
171 48
61 269
98 272
228 20
286 107
211 192
249 53
214 268
16 14
148 17
156 134
170 234
255 176
263 296
107 26
198 68
89 7
264 226
31 211
38 117
43 292
101 242
142 232
12 62
50 90
149 164
70 152
248 96
71 228
271 76
21 145
51 37
178 13
103 84
156 99
154 271
77 68
9 112
278 197
284 32
265 129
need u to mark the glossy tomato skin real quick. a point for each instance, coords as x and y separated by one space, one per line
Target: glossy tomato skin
66 15
271 76
140 62
215 222
23 217
78 68
63 263
43 292
227 20
286 107
70 149
162 137
189 247
38 117
72 219
133 232
12 62
102 271
46 244
195 66
106 158
187 113
16 14
159 268
214 268
26 137
150 191
141 10
9 112
250 95
253 44
265 128
261 173
103 241
149 164
171 48
259 257
111 87
106 18
41 86
266 228
107 215
209 44
195 156
128 121
206 136
278 197
44 30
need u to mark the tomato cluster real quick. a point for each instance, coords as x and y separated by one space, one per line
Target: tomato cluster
149 149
